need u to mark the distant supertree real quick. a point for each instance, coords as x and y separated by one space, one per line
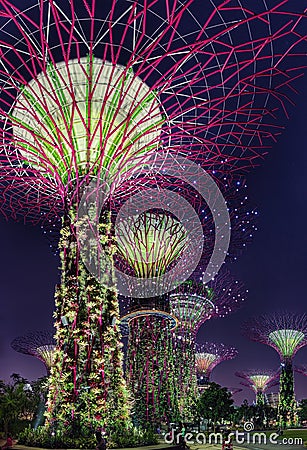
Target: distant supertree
259 381
94 90
208 356
193 303
286 333
40 344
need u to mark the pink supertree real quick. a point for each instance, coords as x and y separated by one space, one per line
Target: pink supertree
210 91
259 381
40 344
208 355
95 91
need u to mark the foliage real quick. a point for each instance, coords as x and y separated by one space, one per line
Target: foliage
258 414
18 403
287 404
215 404
150 376
302 413
86 379
43 437
134 437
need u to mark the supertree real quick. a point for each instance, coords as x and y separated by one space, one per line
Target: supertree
193 303
259 381
92 90
148 244
208 356
40 344
286 333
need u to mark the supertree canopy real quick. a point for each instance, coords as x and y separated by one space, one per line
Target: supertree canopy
90 89
150 242
259 381
40 344
193 303
286 333
94 91
208 356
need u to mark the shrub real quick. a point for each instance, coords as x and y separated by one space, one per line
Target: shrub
133 437
42 437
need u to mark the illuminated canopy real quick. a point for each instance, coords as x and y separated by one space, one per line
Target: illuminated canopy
150 242
286 341
210 354
258 380
40 344
85 116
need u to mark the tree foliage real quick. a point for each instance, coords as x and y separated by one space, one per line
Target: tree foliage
215 404
302 413
18 402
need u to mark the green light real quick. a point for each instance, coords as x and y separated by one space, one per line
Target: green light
286 341
260 381
92 117
204 361
150 242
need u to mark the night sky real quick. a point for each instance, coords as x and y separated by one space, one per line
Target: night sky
273 267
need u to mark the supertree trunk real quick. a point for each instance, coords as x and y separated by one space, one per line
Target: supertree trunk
287 404
260 398
86 384
184 348
150 370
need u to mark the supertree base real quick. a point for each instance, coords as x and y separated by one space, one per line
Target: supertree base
287 413
150 371
87 388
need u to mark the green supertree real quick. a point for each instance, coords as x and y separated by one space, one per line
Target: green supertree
259 381
148 244
286 333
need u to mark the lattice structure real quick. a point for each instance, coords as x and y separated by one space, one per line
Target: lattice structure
193 304
208 356
149 243
301 369
135 76
96 90
40 344
234 390
286 333
259 381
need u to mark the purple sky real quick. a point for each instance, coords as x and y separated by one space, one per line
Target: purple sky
273 267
